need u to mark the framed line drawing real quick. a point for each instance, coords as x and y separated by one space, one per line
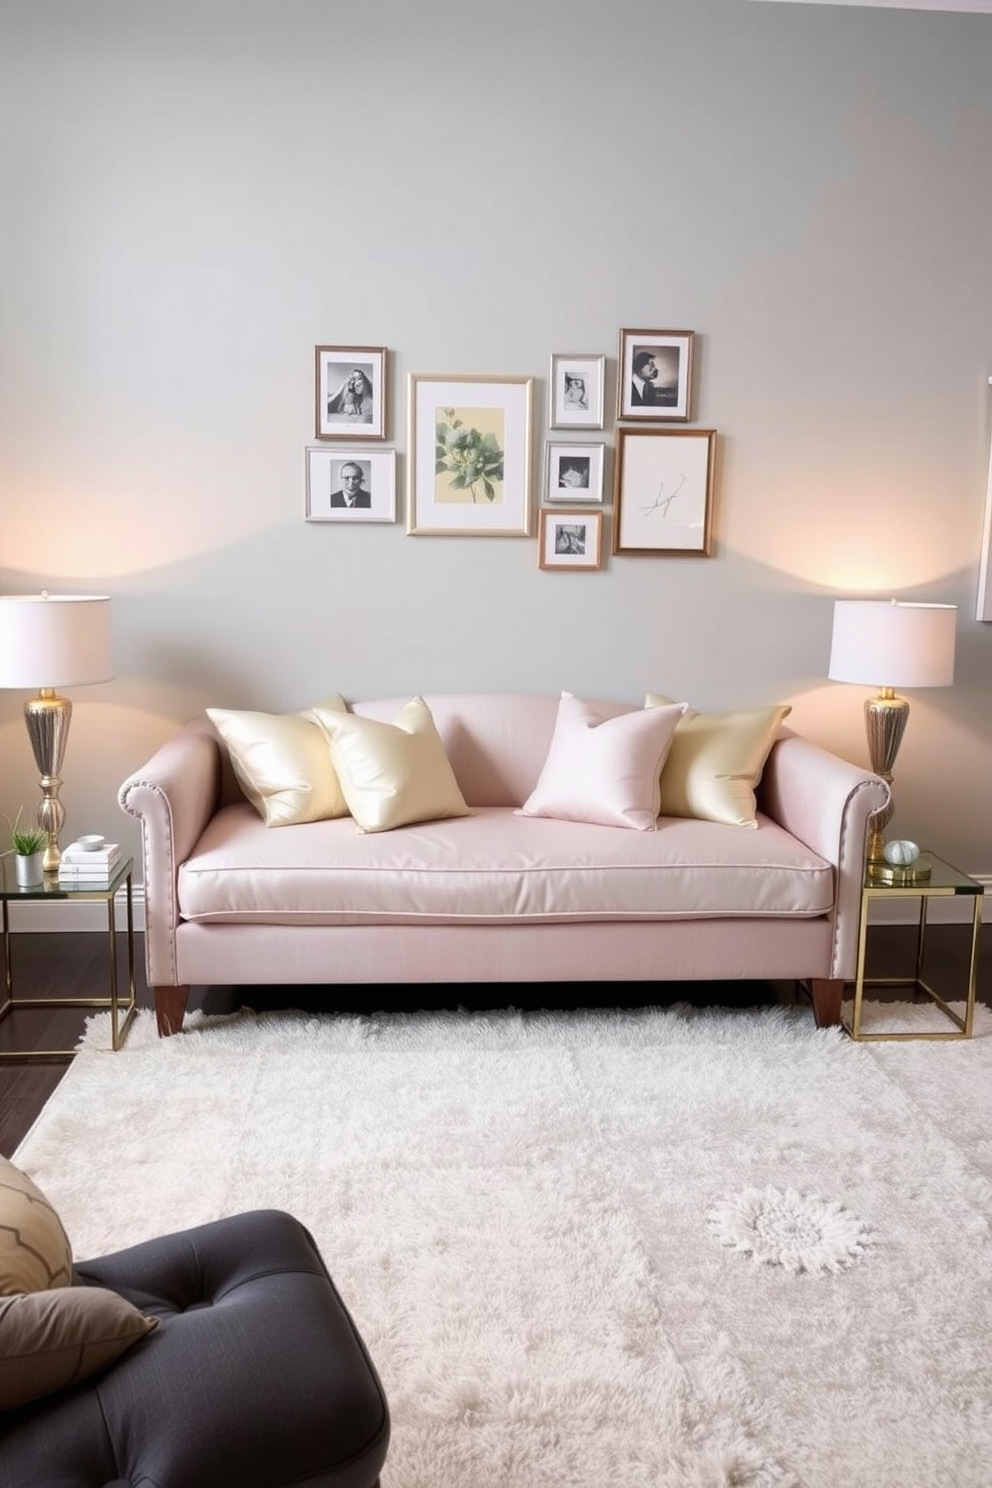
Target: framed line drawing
663 491
570 539
350 386
574 472
654 376
578 390
469 463
350 485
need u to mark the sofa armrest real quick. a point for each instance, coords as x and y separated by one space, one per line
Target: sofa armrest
826 802
174 796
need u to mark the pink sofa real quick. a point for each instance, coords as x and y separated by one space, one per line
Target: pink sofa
495 896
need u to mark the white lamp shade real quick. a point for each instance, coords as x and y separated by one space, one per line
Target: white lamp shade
55 640
891 643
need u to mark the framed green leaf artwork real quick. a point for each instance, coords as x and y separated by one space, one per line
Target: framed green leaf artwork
469 466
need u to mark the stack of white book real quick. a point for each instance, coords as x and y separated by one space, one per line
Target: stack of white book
79 865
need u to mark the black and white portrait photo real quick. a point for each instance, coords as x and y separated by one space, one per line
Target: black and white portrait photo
350 485
350 390
654 374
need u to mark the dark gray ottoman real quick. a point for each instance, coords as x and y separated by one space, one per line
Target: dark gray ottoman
256 1376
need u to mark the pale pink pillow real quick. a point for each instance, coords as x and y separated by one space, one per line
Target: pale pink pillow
604 770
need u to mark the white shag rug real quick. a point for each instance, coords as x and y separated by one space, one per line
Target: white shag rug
648 1249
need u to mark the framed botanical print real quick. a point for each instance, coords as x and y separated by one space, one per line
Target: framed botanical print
570 539
654 376
574 472
663 491
469 463
578 391
350 485
350 392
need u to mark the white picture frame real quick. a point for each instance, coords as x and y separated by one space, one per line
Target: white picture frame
469 462
327 478
574 472
577 387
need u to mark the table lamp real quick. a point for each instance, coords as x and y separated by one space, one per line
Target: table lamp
49 641
890 644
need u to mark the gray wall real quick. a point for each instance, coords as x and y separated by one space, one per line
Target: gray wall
194 195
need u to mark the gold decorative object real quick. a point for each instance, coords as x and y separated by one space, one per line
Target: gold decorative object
49 641
890 643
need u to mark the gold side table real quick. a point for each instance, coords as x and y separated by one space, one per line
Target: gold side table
122 1011
944 882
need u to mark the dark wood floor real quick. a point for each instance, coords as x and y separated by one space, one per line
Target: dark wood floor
76 965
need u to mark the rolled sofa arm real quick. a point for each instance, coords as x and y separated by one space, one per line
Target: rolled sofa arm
174 796
826 802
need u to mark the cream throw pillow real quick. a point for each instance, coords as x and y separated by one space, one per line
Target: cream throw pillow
392 774
49 1340
283 763
35 1254
604 770
715 762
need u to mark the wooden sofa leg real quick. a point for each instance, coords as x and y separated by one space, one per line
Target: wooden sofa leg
826 996
170 1009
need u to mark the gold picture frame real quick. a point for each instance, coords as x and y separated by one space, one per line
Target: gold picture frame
663 492
470 456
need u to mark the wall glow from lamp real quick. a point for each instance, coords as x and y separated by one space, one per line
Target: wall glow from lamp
49 641
890 644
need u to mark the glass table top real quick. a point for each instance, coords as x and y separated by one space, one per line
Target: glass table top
50 888
943 879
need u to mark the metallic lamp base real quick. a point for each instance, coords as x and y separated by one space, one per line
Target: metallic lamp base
47 718
887 873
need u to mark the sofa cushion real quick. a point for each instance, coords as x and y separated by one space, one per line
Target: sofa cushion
716 760
283 763
52 1339
392 774
604 770
35 1254
495 866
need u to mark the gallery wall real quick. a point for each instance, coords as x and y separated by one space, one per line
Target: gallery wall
196 195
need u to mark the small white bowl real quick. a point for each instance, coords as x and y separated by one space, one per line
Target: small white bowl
92 843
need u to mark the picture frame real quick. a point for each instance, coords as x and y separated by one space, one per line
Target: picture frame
574 472
570 539
666 392
983 608
577 394
328 479
350 392
663 492
469 463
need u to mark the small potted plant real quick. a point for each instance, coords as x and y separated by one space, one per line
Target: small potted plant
28 844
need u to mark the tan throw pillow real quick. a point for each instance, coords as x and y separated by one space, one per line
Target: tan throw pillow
604 770
35 1254
715 762
52 1339
395 773
283 763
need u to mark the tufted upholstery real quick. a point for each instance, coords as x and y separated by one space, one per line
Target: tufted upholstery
255 1377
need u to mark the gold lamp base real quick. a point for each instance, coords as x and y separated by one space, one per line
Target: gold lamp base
47 718
885 722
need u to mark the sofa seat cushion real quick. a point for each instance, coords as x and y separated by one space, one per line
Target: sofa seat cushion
492 867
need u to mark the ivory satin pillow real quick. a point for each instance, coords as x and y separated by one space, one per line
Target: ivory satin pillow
604 770
715 762
283 763
35 1254
392 774
52 1339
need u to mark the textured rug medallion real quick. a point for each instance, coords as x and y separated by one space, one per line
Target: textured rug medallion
655 1249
